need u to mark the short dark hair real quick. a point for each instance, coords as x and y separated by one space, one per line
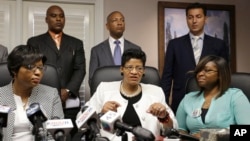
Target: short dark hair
196 5
133 53
223 71
109 16
23 55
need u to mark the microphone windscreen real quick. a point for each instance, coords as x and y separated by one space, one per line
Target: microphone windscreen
108 121
4 111
36 111
82 119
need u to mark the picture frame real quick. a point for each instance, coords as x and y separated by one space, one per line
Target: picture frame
172 24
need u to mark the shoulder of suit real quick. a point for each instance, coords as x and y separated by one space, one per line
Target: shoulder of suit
3 47
184 37
131 43
103 43
208 37
150 86
45 87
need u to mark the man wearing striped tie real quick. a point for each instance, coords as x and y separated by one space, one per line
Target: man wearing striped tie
184 53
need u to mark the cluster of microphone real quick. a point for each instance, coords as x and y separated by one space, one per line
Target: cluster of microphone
88 120
58 128
110 122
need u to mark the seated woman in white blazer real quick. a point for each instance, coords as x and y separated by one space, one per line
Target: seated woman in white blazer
138 104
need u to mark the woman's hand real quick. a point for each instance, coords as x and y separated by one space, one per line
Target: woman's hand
110 105
158 110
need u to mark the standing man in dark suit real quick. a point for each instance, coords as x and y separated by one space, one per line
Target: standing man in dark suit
102 54
180 55
3 53
67 54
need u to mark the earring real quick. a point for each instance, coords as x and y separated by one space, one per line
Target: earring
121 73
143 75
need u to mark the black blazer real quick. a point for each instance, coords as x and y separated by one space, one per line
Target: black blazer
179 60
69 60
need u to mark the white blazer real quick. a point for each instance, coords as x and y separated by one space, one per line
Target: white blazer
110 91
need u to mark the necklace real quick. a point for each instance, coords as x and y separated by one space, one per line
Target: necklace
130 95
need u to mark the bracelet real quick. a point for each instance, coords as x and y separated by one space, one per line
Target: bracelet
165 119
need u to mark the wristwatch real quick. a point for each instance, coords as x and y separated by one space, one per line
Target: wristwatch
68 91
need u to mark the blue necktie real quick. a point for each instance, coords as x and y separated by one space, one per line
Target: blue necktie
117 53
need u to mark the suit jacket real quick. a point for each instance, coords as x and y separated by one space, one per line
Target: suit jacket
101 55
3 53
69 60
46 96
179 60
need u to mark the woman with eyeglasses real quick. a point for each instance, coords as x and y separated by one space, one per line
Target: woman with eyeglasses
216 105
137 103
26 66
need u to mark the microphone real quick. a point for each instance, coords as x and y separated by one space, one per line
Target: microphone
111 121
174 132
59 128
88 115
4 110
90 121
36 116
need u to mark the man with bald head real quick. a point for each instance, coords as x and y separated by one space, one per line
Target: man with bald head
103 53
66 53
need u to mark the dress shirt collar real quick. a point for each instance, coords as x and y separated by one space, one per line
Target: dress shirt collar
201 36
52 34
111 40
112 45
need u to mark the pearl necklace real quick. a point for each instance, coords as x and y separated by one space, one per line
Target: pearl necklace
130 95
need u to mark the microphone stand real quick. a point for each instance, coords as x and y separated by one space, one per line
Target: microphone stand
1 133
59 136
87 136
1 129
39 132
123 134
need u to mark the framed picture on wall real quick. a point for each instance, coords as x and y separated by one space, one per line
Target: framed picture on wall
172 24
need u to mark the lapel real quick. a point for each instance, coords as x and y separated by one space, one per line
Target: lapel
8 97
189 48
50 42
107 52
64 43
206 45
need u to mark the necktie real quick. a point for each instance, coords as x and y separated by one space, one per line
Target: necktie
57 41
197 49
117 53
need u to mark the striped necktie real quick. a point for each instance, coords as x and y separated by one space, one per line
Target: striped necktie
197 49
